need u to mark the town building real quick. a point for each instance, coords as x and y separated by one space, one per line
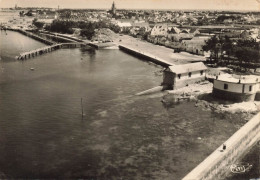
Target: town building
195 45
178 76
237 88
113 9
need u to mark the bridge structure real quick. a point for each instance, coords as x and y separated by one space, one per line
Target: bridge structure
47 49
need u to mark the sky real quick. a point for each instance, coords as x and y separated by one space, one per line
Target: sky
253 5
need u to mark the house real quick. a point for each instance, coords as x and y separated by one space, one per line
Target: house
237 88
159 30
178 76
245 35
195 45
124 25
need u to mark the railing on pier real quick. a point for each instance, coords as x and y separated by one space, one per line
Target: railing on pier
60 38
46 49
39 51
216 166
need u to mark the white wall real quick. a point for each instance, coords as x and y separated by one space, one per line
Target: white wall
215 165
185 76
235 87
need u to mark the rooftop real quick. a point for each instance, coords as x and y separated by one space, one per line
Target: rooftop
232 78
184 68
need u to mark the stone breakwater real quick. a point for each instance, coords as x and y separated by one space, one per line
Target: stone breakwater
216 165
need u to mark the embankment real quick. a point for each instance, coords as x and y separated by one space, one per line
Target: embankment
216 165
144 55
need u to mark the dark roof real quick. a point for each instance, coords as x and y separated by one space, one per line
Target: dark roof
193 30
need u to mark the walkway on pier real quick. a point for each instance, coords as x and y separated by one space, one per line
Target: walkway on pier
39 51
59 38
47 49
217 165
146 55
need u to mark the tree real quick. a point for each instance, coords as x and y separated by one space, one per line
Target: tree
38 24
228 47
247 56
212 45
88 32
29 13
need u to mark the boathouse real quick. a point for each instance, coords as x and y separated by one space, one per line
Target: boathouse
237 88
178 76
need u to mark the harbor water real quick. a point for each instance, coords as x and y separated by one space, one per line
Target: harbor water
43 133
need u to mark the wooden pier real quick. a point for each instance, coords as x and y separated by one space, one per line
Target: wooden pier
34 36
101 45
39 51
47 49
59 38
144 55
70 42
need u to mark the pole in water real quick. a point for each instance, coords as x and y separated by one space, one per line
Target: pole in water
82 113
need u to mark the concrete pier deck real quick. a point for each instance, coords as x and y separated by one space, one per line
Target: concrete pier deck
161 52
59 38
47 49
145 55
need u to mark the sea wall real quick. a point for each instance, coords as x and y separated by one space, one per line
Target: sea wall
217 165
144 55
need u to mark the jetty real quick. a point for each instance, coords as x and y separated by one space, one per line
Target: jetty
217 165
69 42
145 55
101 45
47 49
33 36
59 37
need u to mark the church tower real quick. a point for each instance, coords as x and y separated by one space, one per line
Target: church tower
113 8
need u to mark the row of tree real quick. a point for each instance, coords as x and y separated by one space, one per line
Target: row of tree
224 49
87 28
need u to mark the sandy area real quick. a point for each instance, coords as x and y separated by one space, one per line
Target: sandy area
194 89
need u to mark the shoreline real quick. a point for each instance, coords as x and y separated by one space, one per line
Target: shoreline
197 91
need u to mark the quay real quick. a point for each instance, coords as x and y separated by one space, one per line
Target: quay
217 165
60 38
101 45
47 49
144 55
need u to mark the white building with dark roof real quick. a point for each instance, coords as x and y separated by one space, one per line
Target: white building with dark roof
178 76
237 88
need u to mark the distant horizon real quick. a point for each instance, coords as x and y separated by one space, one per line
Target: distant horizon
218 10
177 5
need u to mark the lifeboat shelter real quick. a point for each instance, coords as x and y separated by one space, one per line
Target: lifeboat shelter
237 88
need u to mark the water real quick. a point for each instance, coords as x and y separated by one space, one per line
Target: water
42 133
253 158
